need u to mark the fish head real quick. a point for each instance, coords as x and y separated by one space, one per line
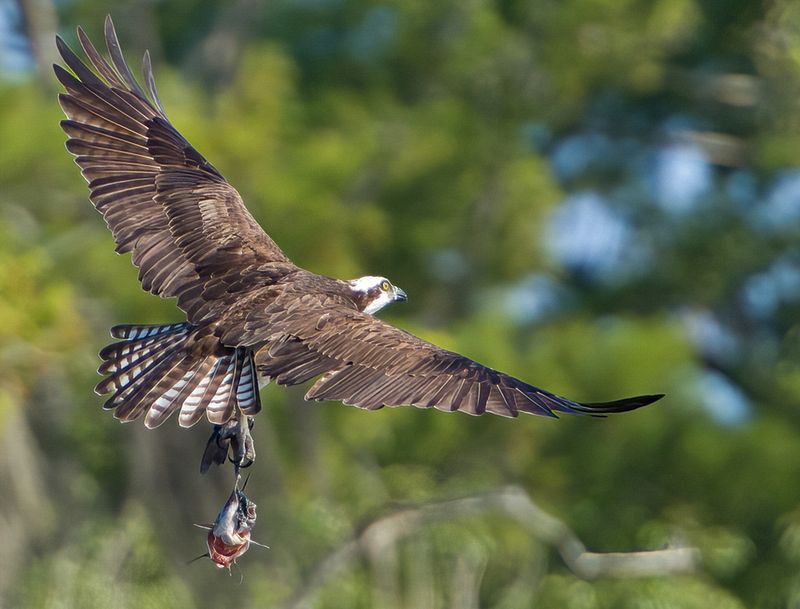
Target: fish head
229 536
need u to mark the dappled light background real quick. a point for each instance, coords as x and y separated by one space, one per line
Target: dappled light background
599 196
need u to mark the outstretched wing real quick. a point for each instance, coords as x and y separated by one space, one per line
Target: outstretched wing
368 363
188 230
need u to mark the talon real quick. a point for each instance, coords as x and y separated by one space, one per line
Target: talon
244 462
231 441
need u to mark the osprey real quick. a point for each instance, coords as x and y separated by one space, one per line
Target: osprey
252 315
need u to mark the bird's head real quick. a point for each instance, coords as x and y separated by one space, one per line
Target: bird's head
374 293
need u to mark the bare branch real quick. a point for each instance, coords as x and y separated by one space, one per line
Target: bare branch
516 504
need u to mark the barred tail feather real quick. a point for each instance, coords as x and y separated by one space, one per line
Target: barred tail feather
247 387
154 371
196 376
133 332
161 395
125 372
220 406
121 355
191 410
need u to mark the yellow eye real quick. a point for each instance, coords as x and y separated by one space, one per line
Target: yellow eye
385 286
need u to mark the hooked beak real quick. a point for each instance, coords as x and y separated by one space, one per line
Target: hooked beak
399 295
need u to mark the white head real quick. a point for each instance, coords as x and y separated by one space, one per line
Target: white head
374 293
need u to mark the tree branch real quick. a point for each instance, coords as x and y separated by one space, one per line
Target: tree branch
516 504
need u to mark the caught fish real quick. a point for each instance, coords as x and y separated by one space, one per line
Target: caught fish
229 535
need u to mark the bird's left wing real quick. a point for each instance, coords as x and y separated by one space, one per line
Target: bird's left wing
188 229
368 363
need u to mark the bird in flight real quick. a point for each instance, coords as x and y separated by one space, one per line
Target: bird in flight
252 316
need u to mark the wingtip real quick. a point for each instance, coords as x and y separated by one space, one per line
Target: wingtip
649 399
623 405
63 48
110 32
83 37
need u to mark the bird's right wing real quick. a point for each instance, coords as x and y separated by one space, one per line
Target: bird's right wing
188 229
368 363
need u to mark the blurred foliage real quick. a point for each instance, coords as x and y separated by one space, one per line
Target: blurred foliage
600 196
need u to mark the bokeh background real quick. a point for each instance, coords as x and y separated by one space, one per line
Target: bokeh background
600 196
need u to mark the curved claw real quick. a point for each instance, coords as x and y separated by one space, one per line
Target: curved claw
231 441
244 463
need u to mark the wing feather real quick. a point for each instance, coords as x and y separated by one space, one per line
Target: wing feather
186 227
370 364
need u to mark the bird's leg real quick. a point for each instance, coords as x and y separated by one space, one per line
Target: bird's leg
243 450
231 440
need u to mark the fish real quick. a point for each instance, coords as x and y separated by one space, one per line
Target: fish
229 535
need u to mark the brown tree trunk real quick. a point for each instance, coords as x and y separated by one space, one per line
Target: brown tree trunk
39 23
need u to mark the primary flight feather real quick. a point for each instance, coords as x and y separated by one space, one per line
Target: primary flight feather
252 315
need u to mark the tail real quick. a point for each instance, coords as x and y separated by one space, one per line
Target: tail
156 370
